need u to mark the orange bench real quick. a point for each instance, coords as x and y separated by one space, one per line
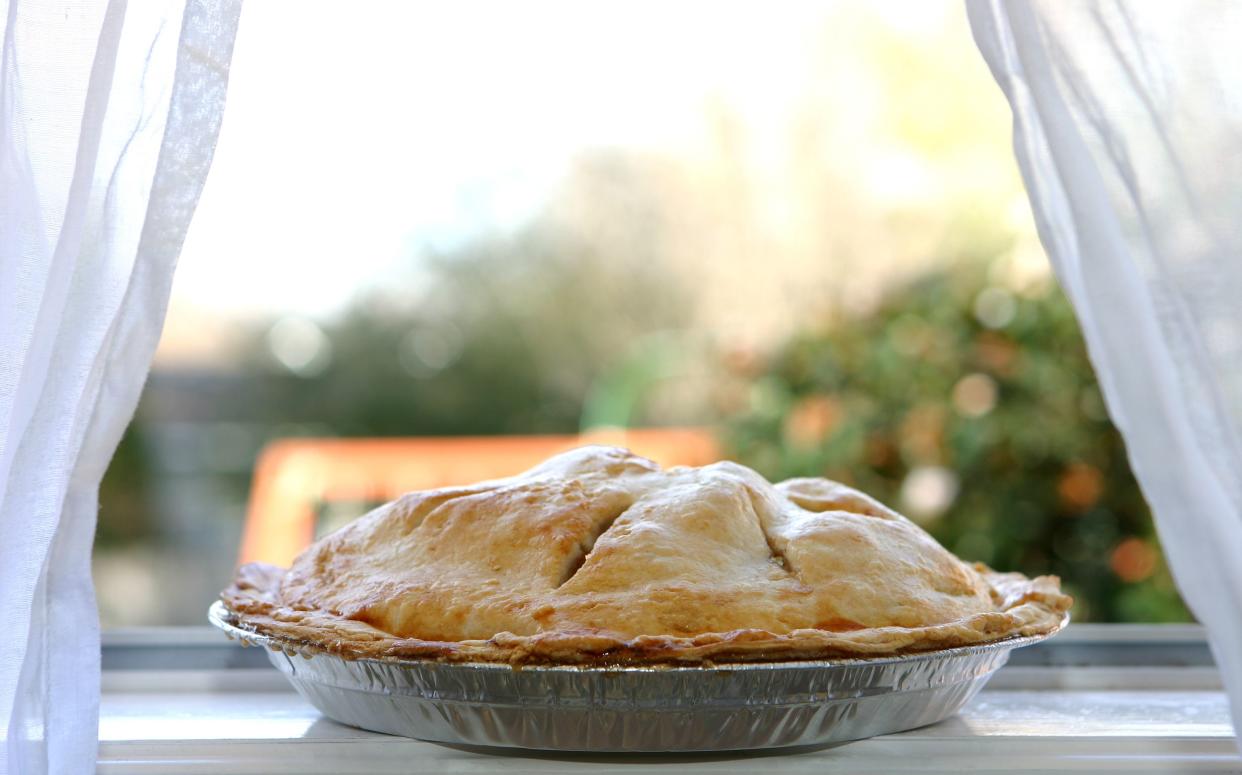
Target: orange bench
294 476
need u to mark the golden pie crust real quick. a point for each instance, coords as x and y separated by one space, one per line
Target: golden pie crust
600 556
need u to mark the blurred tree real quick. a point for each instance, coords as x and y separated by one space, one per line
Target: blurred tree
974 409
507 332
125 492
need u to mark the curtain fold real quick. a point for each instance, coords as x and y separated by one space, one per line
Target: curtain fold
109 115
1128 131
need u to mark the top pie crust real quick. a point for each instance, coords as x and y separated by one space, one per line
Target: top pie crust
600 556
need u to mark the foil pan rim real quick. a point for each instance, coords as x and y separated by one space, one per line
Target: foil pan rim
220 617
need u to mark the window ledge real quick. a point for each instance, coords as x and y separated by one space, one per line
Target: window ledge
1039 716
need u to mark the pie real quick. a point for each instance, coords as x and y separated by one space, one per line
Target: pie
600 556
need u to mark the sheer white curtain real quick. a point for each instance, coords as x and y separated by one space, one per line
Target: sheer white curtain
109 113
1128 130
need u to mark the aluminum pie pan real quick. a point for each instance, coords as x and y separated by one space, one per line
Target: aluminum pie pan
628 708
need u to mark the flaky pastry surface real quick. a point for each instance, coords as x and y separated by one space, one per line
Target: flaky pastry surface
600 556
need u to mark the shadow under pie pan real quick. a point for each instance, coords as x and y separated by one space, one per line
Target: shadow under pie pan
724 707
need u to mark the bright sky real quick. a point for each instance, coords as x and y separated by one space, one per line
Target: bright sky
355 133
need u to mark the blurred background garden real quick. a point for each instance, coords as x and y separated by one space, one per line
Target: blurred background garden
801 229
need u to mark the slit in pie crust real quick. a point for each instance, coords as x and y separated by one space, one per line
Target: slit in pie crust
600 556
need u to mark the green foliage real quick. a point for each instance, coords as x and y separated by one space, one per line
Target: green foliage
507 335
994 437
125 492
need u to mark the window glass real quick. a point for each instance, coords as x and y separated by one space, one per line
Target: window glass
796 230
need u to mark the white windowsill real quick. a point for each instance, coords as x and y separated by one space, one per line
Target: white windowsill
1030 718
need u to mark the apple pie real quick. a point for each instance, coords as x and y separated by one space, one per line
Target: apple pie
598 556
